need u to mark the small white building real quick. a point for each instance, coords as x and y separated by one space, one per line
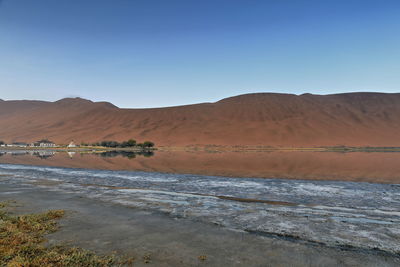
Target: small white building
72 144
18 144
43 143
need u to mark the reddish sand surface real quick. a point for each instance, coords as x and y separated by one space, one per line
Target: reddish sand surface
353 119
355 166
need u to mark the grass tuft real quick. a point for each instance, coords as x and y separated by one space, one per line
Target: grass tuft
22 243
202 257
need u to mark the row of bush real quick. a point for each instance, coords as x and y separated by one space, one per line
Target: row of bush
129 143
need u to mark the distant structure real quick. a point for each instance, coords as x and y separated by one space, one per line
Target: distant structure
18 144
72 144
43 143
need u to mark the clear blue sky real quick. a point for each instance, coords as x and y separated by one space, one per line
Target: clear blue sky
151 53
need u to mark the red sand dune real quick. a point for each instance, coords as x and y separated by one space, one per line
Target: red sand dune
353 119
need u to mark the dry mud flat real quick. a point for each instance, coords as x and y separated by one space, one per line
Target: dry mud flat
126 212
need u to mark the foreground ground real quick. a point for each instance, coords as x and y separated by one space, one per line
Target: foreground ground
158 240
22 242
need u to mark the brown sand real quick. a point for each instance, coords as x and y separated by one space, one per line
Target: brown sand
354 119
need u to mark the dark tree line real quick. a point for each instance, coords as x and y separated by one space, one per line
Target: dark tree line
124 144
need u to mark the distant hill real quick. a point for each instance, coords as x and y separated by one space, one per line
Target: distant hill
353 119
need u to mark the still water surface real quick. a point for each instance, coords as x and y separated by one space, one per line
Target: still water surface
356 166
337 213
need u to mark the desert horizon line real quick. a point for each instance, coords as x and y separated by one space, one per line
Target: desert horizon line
204 102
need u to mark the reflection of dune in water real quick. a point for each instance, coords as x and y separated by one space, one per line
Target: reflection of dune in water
355 166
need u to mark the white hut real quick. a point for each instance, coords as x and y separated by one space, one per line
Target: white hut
43 143
72 144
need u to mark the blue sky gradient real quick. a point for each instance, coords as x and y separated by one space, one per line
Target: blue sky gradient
152 53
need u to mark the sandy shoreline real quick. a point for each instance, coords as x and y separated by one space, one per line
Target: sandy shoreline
105 227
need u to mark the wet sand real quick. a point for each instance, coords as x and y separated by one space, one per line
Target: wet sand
105 227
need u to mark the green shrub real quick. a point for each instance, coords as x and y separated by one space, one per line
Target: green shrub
148 144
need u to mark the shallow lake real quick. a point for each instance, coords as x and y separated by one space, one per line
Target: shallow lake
184 184
380 167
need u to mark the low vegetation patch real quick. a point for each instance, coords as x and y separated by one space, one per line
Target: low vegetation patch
125 144
22 243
